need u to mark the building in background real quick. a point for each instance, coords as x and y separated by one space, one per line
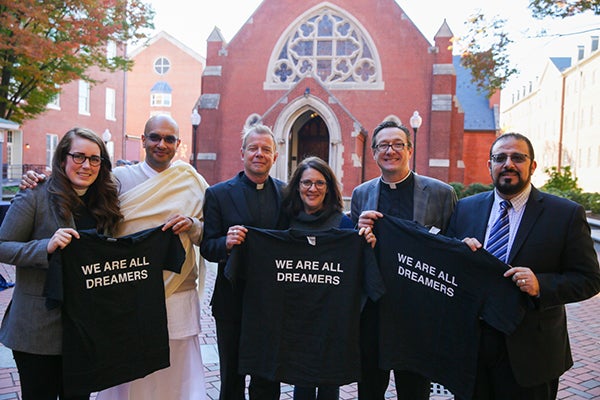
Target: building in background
323 75
482 125
98 107
165 79
559 111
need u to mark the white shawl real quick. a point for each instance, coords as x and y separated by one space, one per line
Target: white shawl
177 190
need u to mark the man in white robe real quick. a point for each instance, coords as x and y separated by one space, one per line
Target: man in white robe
154 192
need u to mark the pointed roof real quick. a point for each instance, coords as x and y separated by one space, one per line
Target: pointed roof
215 36
168 37
479 116
161 87
561 63
444 31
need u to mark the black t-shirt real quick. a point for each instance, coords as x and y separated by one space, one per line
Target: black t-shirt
114 315
438 291
301 306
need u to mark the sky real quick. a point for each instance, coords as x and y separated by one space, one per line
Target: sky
191 22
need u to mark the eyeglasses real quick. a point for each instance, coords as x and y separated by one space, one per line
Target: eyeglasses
517 158
383 147
307 184
155 137
79 158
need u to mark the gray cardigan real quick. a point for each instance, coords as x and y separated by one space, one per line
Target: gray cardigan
24 235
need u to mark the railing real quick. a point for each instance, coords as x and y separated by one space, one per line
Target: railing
14 171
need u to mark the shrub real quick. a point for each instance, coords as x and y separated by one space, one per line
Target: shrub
458 188
475 188
562 183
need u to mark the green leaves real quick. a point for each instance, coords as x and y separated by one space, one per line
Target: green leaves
48 43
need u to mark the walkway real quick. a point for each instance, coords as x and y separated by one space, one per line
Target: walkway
580 383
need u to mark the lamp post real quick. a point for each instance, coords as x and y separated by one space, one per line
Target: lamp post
195 118
106 138
415 123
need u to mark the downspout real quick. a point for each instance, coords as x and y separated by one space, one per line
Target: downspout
562 123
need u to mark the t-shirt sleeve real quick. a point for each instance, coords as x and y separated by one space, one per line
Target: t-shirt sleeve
505 305
234 266
176 253
53 287
373 281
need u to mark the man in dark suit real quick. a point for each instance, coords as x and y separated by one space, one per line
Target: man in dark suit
404 194
551 257
250 198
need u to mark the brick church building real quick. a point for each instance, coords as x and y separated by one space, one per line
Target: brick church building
323 75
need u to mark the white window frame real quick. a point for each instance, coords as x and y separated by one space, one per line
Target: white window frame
160 99
162 65
111 50
110 110
54 103
84 97
51 144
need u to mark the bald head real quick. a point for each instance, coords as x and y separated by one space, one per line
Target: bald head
160 140
161 119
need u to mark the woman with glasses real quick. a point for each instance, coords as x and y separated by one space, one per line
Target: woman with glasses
80 194
313 201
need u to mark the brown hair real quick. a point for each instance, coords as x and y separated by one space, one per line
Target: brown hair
103 200
292 203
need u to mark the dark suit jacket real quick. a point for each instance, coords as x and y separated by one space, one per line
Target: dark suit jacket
434 201
553 240
224 206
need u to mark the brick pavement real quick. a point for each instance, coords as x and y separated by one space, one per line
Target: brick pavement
580 383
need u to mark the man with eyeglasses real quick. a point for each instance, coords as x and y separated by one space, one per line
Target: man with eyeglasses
398 192
550 255
250 198
154 192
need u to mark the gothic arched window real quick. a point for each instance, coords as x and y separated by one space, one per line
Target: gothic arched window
329 46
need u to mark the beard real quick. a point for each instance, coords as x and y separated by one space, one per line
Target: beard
508 186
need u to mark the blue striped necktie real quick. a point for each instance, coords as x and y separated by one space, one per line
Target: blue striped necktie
497 243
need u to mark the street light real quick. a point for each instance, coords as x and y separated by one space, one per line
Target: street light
196 118
106 136
415 123
110 145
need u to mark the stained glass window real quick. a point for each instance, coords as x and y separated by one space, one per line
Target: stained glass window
328 46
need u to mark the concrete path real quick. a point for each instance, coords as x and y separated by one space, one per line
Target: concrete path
581 382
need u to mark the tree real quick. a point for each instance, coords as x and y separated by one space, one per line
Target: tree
562 9
485 53
46 44
484 49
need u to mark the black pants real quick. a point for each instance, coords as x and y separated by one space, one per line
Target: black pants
41 377
374 381
318 393
233 383
495 379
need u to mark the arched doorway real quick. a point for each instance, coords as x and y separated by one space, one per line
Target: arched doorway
309 137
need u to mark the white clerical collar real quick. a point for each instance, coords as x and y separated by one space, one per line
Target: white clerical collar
393 185
252 184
